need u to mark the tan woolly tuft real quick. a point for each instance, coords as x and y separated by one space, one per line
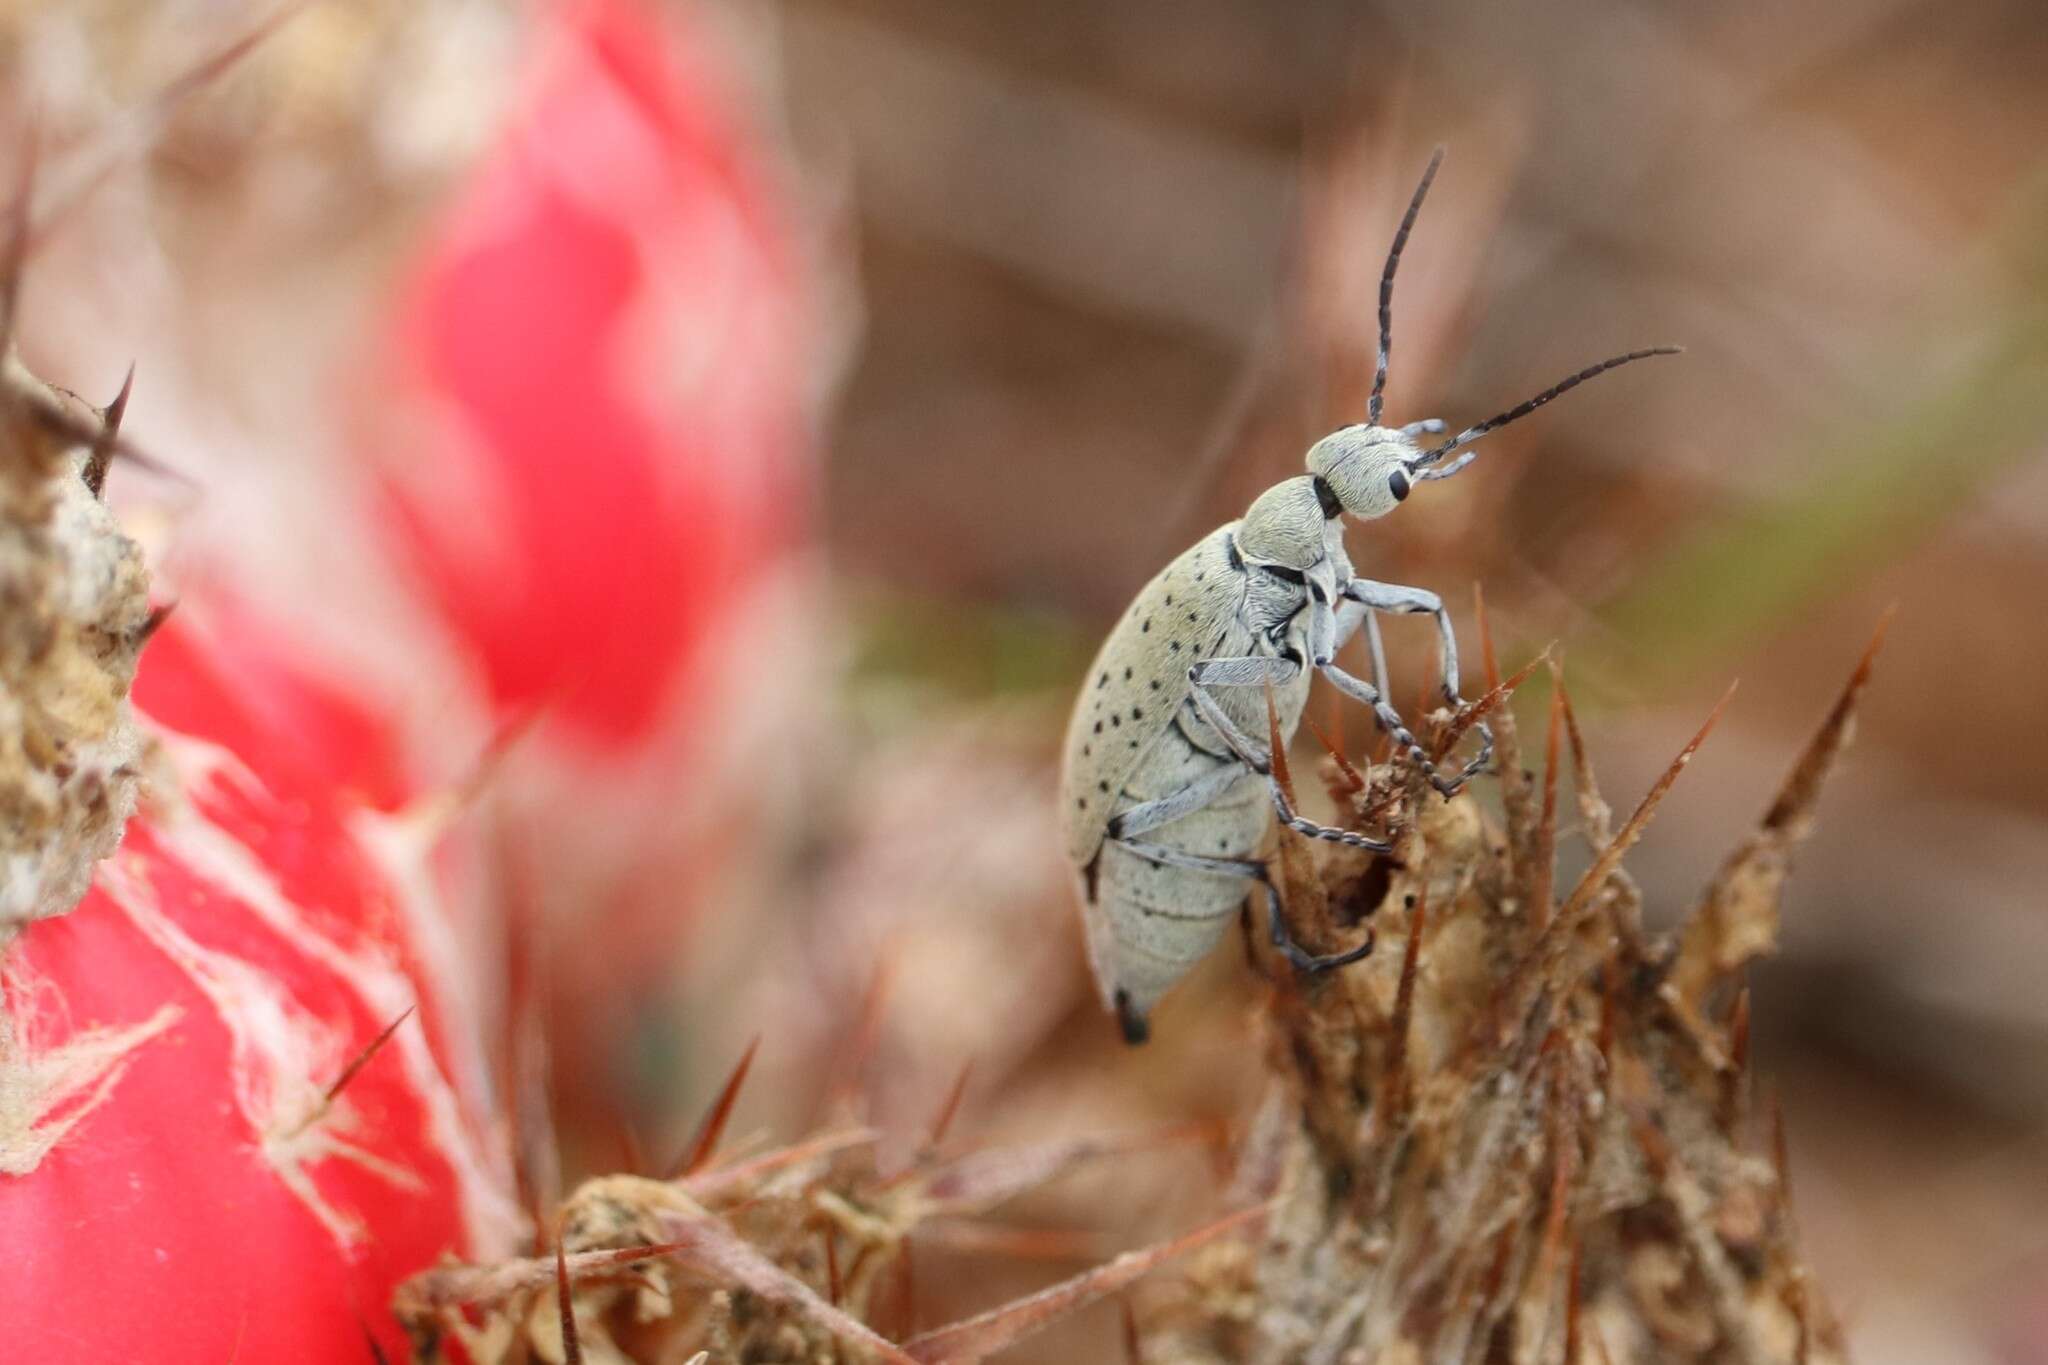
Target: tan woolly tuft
74 612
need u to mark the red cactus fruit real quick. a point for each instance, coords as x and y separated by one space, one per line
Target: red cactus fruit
600 365
190 1169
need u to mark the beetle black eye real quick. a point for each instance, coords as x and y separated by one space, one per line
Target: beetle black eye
1397 483
1285 574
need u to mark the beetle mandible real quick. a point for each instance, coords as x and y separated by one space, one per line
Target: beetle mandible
1163 790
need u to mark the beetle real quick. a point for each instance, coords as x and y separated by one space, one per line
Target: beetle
1163 791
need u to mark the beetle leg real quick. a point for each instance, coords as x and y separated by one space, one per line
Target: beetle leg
1304 960
1252 870
1351 614
1151 815
1390 719
1394 597
1379 597
1254 755
1433 426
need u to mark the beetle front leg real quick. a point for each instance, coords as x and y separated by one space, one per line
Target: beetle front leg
1252 672
1378 597
1414 601
1390 719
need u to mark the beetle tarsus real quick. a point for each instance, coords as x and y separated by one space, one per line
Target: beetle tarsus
1302 959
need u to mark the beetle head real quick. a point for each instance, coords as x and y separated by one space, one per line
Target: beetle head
1364 470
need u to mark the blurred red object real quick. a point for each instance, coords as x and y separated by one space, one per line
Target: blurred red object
182 1180
605 338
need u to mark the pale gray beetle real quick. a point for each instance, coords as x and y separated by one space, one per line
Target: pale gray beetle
1163 788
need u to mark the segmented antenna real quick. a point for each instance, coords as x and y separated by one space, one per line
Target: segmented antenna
1470 434
1379 377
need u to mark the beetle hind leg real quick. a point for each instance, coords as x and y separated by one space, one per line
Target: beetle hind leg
1252 870
1301 958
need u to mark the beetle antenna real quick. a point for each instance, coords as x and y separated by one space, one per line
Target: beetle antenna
1470 434
1379 377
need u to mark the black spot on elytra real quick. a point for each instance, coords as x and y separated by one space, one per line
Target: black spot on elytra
1102 681
1193 617
1169 599
1087 749
1137 714
1155 684
1082 802
1116 722
1098 727
1175 646
1146 626
1102 786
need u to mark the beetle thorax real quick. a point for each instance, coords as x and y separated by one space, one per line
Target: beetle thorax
1284 526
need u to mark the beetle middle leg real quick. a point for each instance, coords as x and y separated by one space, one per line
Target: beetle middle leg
1253 672
1252 869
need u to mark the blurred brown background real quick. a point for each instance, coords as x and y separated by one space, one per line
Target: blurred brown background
1100 271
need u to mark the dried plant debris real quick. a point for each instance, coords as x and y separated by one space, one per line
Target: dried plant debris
793 1256
1519 1132
1516 1135
74 615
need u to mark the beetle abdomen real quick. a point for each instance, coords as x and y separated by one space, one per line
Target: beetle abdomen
1149 923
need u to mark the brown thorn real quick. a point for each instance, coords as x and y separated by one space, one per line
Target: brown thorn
948 1110
835 1285
1486 656
1134 1350
1543 869
369 1339
1022 1244
985 1333
14 253
903 1306
1610 857
1781 1153
1572 1293
1610 1009
1488 702
1279 750
1555 1220
1404 1004
524 1059
141 125
572 1345
849 1068
1803 785
712 1183
1735 1082
711 1127
1352 778
362 1058
101 454
1582 772
152 623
